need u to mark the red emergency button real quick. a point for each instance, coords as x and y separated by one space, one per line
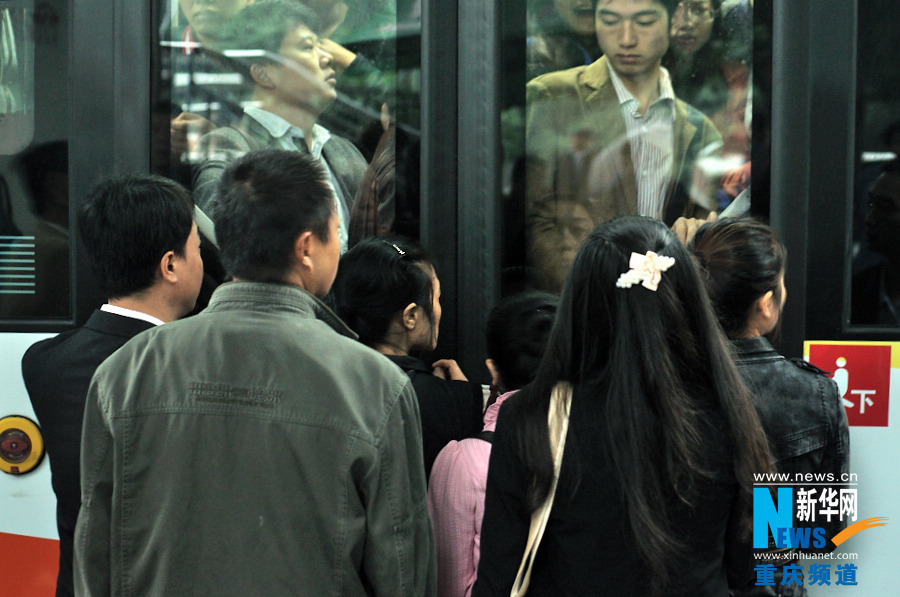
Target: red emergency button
21 445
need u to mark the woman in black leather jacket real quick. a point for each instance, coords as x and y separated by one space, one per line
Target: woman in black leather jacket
800 408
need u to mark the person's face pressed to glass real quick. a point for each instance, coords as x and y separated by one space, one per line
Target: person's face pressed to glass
306 76
557 230
692 26
633 34
577 14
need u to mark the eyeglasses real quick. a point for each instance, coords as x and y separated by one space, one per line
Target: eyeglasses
700 10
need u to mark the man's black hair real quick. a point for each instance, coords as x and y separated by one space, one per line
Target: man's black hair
377 279
264 25
128 223
264 201
669 5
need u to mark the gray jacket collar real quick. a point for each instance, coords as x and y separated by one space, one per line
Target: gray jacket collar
270 297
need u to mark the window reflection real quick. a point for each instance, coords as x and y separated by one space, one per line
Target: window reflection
875 292
634 107
560 35
291 78
16 75
34 202
351 99
362 37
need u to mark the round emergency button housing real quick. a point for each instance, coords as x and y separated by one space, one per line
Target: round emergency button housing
21 445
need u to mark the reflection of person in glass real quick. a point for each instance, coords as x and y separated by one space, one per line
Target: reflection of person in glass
646 142
293 82
555 228
357 34
876 289
694 60
711 71
208 95
201 97
563 35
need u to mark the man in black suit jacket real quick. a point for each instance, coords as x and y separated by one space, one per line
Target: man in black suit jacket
293 79
145 251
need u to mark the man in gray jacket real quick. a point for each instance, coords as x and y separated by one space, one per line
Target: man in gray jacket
256 448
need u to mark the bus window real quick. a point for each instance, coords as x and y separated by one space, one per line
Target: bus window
35 247
875 277
16 76
220 93
604 132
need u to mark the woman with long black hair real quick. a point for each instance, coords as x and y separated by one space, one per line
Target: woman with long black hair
662 438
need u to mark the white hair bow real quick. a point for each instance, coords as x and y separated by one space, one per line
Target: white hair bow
646 269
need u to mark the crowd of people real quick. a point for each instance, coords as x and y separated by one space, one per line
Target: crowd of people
293 436
287 428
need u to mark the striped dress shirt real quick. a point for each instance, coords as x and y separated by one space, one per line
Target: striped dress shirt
291 138
652 140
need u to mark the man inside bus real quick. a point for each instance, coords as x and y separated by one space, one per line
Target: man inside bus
256 448
145 251
202 105
646 144
293 83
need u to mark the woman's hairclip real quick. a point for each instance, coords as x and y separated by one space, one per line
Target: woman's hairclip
400 251
646 269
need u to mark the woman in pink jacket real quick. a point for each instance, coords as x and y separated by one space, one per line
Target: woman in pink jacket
517 331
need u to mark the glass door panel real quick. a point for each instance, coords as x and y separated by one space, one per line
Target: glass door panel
35 241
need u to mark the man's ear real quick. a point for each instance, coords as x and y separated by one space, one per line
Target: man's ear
302 250
167 267
410 316
260 74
